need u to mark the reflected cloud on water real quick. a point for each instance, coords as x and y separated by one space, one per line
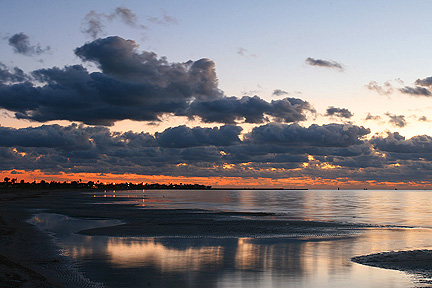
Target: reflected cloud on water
127 253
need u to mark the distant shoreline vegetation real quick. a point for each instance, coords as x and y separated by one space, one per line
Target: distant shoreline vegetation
13 183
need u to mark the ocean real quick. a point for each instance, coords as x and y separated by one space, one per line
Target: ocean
381 220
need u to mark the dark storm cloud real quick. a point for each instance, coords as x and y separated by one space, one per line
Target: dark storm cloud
175 151
21 44
182 136
119 58
397 120
411 157
272 150
385 89
17 75
54 136
251 109
416 91
324 63
137 86
331 135
72 148
394 142
339 112
95 149
279 92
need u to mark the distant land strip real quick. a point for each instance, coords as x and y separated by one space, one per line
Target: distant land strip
9 183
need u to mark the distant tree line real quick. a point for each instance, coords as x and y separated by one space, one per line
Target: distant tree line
10 183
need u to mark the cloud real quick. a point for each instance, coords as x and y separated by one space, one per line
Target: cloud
332 151
164 20
241 51
386 89
182 136
244 52
17 75
93 23
394 142
126 16
70 138
251 109
427 82
397 120
137 86
416 91
324 63
177 151
21 45
279 92
369 116
250 92
331 135
339 112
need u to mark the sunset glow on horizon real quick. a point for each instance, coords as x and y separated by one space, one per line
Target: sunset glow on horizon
216 182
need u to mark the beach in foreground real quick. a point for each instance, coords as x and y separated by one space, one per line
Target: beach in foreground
31 258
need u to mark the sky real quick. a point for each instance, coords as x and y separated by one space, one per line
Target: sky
286 94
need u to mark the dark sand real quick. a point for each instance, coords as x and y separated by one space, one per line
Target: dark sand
29 257
412 261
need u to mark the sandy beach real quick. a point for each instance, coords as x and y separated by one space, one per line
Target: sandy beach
28 256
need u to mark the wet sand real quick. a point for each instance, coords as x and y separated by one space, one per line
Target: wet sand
413 261
28 256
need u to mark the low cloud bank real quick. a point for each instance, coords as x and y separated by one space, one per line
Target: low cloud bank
272 150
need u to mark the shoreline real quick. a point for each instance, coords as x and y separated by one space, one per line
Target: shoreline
29 257
410 261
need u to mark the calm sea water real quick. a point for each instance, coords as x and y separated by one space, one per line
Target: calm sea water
382 207
249 262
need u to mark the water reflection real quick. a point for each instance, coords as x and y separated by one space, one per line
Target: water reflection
61 224
229 262
129 253
381 207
